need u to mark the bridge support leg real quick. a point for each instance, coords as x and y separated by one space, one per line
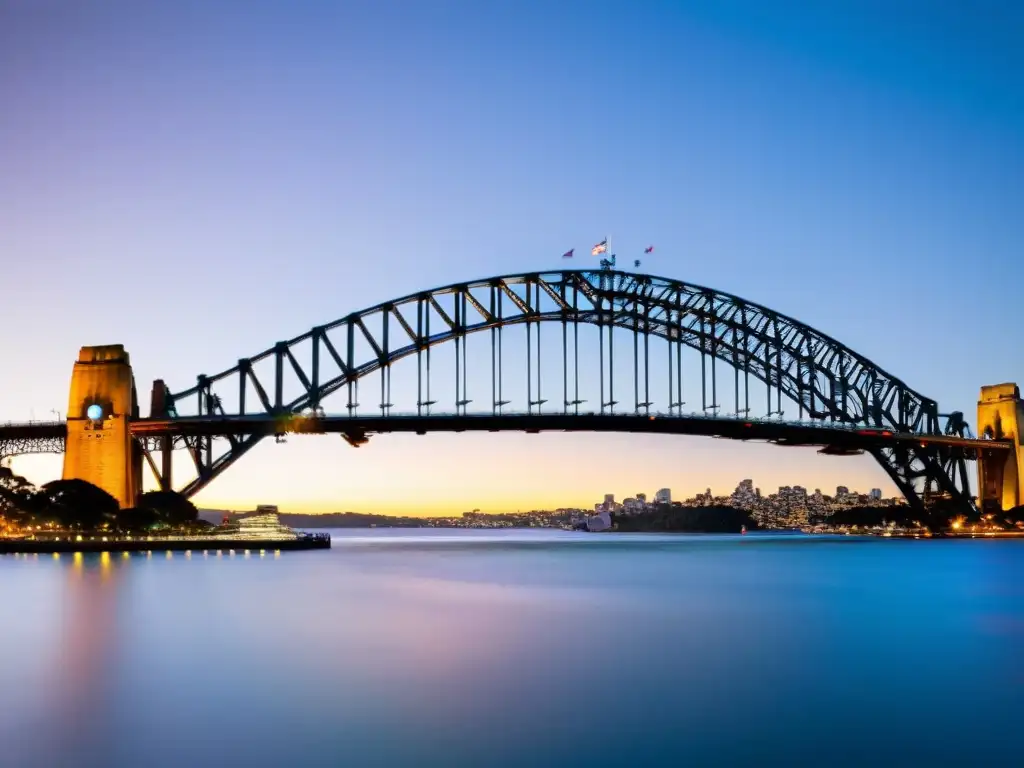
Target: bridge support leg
924 473
101 405
1001 475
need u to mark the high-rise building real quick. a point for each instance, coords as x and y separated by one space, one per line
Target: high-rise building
744 496
663 496
876 494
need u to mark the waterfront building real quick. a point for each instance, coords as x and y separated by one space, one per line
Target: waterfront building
633 506
258 526
790 507
844 498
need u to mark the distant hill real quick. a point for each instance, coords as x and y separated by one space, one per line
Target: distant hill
215 516
333 520
350 520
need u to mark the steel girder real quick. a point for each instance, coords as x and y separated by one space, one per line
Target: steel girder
19 446
825 379
927 472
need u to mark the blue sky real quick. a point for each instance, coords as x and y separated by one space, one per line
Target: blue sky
197 183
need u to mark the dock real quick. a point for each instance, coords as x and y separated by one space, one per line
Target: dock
40 546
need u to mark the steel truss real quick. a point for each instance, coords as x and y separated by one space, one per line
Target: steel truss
19 446
785 358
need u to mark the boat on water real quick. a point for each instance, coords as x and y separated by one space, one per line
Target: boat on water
743 530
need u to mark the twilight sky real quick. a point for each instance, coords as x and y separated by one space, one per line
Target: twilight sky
197 182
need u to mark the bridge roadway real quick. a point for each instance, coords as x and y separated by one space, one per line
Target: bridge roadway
768 430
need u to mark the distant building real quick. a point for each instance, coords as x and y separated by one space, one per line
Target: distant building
633 506
876 494
664 496
262 524
816 502
744 497
599 522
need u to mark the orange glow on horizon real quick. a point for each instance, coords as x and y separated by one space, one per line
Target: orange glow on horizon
448 474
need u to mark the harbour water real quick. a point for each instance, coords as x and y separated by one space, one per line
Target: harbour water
518 648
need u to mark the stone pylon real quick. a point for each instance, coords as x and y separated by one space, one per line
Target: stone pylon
1001 476
101 407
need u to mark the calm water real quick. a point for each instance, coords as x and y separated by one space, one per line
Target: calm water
519 649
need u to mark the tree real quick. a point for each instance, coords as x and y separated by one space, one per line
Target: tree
666 517
76 504
171 506
136 519
16 495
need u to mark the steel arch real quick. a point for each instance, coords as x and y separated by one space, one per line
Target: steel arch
826 379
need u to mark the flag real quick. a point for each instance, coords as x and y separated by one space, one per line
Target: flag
568 254
600 248
649 249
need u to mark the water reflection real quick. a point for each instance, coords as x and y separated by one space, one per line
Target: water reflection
508 649
68 713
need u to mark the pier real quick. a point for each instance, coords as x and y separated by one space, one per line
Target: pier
157 544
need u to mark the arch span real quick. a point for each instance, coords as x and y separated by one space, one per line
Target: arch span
773 357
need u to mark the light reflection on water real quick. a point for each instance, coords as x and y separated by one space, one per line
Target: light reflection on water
518 648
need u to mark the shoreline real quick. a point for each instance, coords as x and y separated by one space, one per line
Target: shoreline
921 534
208 544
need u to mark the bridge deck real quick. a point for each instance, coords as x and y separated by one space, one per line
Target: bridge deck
779 432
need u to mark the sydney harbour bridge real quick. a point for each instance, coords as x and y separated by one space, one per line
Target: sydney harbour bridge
569 350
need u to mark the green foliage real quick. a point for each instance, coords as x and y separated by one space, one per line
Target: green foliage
76 504
81 506
16 493
172 508
667 517
938 516
869 517
136 520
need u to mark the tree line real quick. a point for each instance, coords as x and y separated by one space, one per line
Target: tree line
80 506
937 516
667 517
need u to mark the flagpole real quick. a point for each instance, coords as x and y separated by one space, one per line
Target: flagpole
611 344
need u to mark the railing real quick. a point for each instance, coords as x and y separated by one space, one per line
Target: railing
33 423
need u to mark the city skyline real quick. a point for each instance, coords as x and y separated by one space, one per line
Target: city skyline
654 497
184 192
